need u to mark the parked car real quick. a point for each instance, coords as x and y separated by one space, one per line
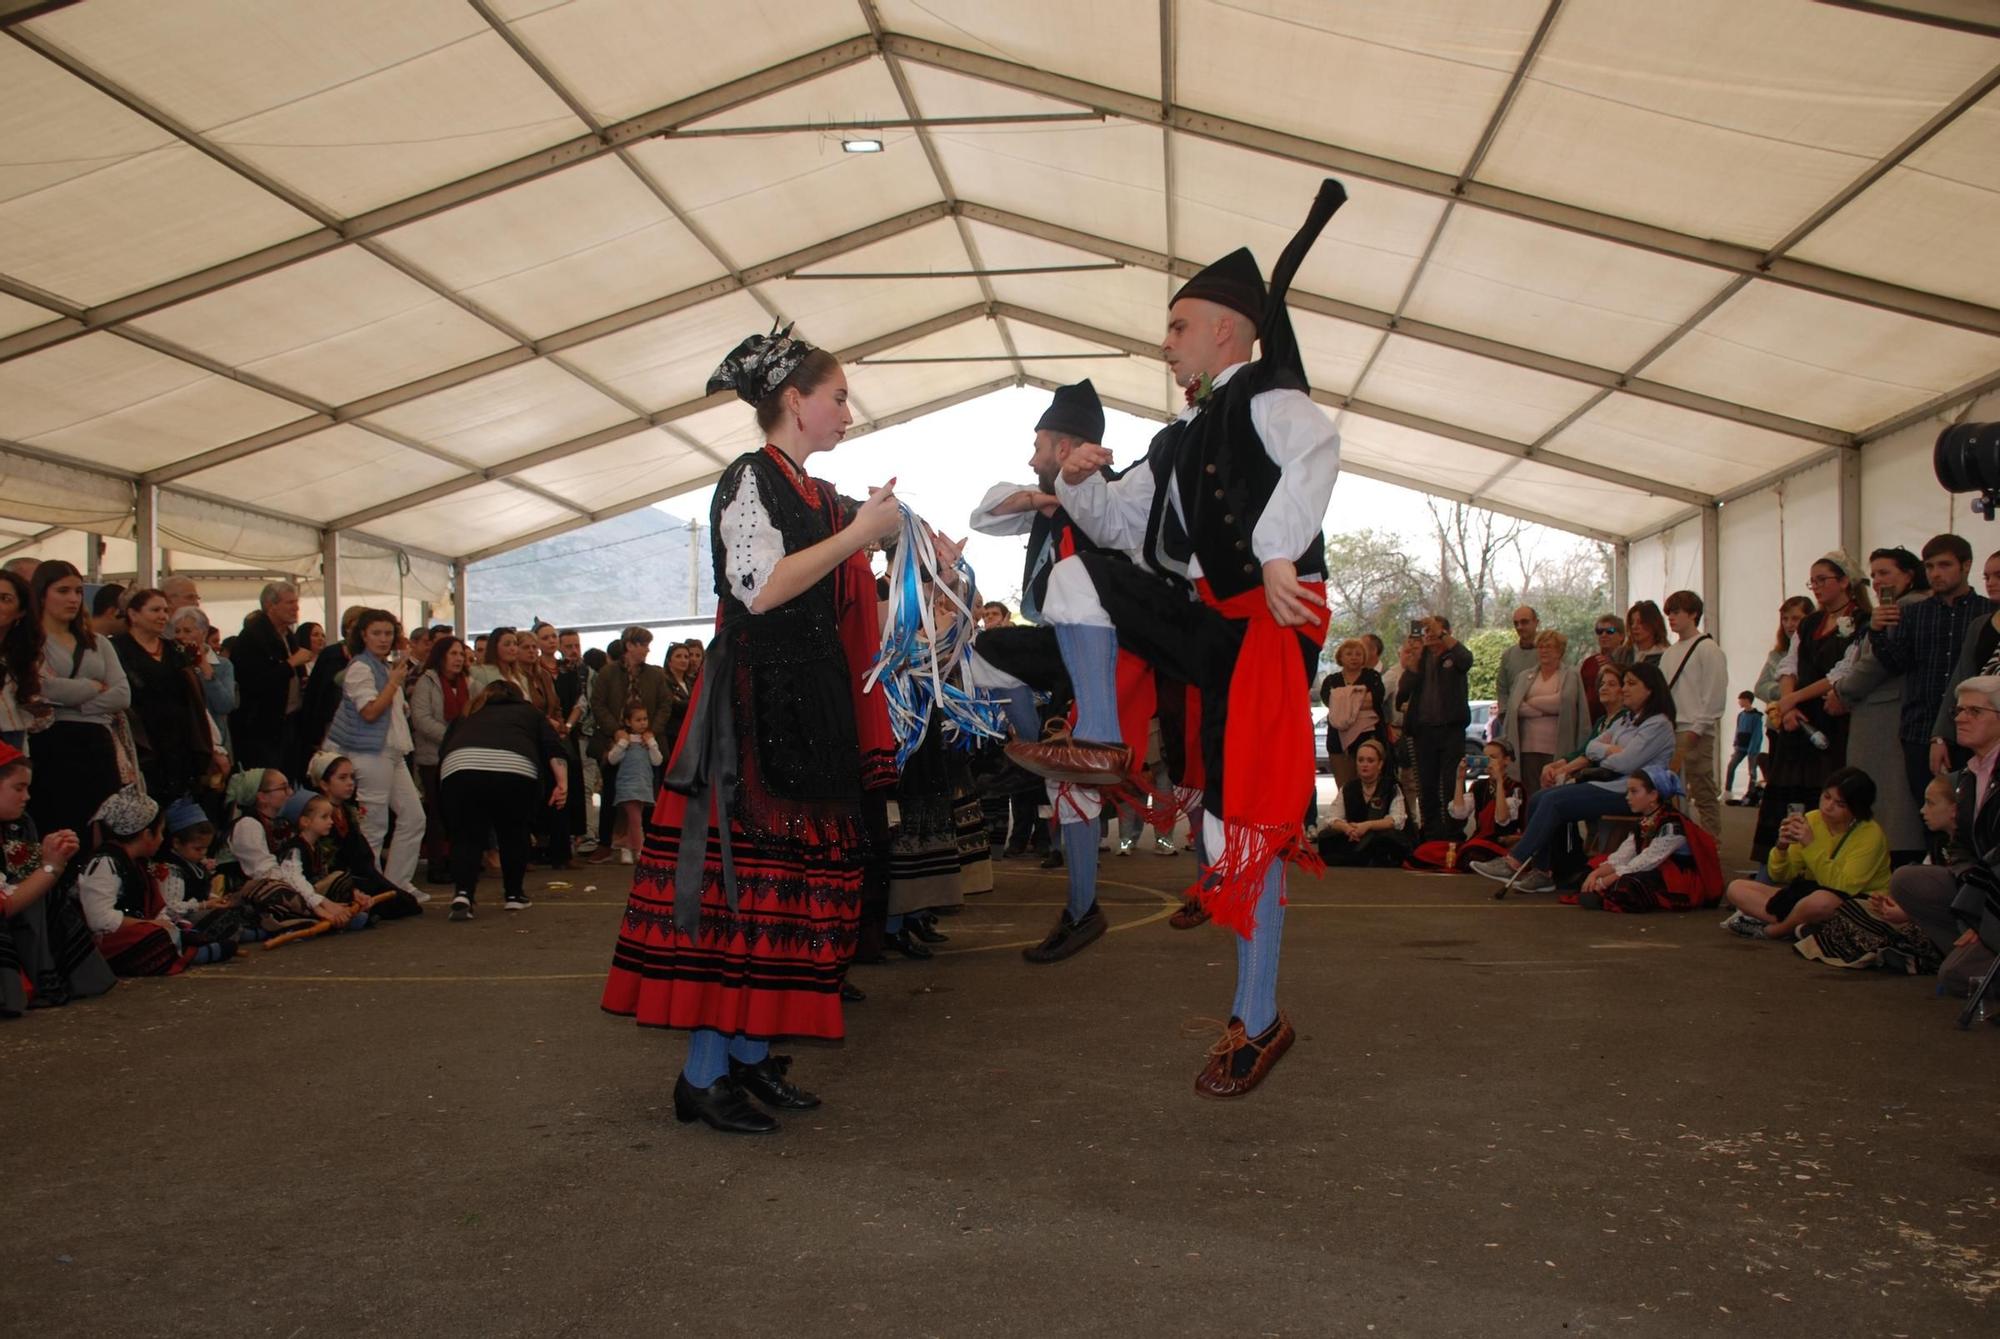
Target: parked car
1320 760
1478 733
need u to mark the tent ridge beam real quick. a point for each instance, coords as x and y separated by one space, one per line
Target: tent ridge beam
1730 256
1533 359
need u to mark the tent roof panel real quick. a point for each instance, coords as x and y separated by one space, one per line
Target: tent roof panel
1334 351
1676 445
560 250
667 361
1454 467
135 222
106 400
1478 393
328 474
1557 492
335 327
1232 197
78 130
1820 359
1130 300
1107 176
1928 224
837 313
504 415
18 315
884 389
1121 37
609 53
630 467
768 195
484 515
1722 119
1413 81
1567 293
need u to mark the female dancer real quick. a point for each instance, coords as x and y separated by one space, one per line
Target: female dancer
742 939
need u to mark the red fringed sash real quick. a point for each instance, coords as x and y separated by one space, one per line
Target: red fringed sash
1267 758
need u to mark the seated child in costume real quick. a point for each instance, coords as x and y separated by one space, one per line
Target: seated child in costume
1668 863
121 903
1875 931
636 755
281 904
346 850
48 956
1821 859
190 888
1370 826
303 864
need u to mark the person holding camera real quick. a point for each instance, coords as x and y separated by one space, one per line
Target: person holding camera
371 726
1436 710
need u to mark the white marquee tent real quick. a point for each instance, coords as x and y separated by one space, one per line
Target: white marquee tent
368 289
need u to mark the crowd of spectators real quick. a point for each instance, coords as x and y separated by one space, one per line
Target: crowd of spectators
168 793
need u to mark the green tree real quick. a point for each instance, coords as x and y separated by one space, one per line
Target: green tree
1486 647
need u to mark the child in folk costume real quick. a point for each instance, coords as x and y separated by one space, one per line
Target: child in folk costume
281 905
189 885
121 903
48 956
304 862
635 753
747 899
1669 863
345 847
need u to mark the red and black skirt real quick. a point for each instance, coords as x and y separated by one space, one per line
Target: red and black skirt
771 965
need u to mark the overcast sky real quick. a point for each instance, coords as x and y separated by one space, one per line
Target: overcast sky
944 463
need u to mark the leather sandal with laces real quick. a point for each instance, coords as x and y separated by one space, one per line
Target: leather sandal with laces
1238 1062
1191 916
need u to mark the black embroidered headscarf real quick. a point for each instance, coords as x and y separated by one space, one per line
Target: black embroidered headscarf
759 365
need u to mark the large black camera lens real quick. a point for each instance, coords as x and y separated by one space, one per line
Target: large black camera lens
1967 457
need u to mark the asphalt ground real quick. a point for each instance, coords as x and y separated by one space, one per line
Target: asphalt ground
1501 1118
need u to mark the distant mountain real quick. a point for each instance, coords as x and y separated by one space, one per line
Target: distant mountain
637 568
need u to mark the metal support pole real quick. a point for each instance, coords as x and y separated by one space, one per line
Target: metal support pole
458 601
1849 492
329 581
1621 577
93 558
694 569
146 533
1711 567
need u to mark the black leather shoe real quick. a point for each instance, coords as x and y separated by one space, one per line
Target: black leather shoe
766 1082
905 945
720 1106
925 928
1069 937
852 994
1052 859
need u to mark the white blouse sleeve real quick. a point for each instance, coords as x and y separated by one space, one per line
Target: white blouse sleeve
1664 847
97 890
989 522
751 544
1790 663
252 852
1399 816
1621 859
293 873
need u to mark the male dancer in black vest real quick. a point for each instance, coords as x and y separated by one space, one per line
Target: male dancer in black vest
1229 593
1014 663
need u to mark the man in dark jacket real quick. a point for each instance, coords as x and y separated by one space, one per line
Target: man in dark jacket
1436 709
266 678
620 681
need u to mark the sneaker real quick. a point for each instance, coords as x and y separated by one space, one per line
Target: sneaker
520 903
624 856
1496 869
461 908
1532 880
1165 846
419 894
1746 925
585 845
1125 845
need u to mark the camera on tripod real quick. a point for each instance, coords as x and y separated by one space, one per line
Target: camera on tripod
1967 460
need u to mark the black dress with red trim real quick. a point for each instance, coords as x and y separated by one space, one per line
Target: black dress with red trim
760 952
48 956
140 945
